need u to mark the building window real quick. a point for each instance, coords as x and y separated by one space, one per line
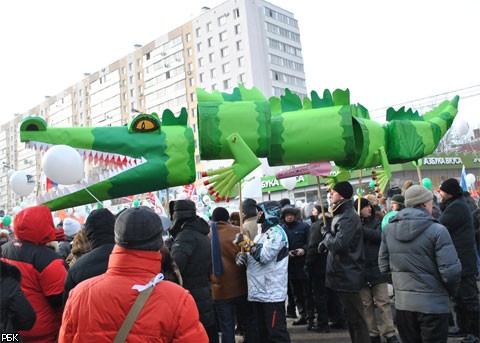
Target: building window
222 20
200 62
226 67
198 31
223 36
139 75
199 47
209 26
124 70
224 52
241 61
213 73
188 37
191 82
125 96
130 78
227 83
214 86
189 52
239 45
130 66
236 13
210 42
139 62
192 96
190 67
140 89
131 92
241 78
238 30
201 77
211 57
192 111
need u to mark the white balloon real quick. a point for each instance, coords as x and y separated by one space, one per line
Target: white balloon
10 172
289 183
461 126
63 164
470 179
15 210
22 183
24 204
298 203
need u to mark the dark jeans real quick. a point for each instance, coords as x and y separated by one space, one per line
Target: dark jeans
415 327
225 310
272 322
357 325
467 306
303 299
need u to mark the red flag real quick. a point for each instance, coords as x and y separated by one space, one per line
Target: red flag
50 184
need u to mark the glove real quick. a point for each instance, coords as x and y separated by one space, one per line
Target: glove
325 230
241 259
243 242
322 248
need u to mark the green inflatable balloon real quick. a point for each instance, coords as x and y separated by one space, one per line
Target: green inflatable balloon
372 184
387 217
427 183
135 203
7 220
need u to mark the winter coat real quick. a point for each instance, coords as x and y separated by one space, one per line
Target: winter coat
315 261
93 263
233 282
250 227
297 233
97 307
267 268
191 251
43 271
420 255
345 261
13 302
372 237
80 246
458 219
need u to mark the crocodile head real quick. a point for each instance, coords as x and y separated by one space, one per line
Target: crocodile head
147 154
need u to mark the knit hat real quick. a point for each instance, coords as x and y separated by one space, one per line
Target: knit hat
71 227
452 187
139 228
363 203
248 208
398 199
416 195
344 188
99 227
220 214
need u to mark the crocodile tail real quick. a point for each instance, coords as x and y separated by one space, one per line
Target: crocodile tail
411 137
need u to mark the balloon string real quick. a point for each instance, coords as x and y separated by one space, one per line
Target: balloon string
93 196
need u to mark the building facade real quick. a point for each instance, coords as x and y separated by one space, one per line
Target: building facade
251 42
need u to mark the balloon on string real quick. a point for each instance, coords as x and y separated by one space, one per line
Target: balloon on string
289 183
10 172
7 220
15 210
136 203
461 126
22 183
63 164
387 217
24 204
372 184
427 183
470 179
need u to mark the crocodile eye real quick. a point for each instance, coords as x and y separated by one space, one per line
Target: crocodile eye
145 125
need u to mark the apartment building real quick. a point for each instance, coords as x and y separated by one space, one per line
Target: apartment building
252 42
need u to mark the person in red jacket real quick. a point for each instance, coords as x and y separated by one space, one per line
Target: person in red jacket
43 271
97 307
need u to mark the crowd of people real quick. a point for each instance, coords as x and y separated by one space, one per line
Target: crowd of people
244 273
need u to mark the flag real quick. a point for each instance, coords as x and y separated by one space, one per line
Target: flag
463 180
127 198
50 184
252 188
157 204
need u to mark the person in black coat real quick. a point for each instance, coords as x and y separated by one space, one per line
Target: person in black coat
458 219
14 305
191 251
375 292
99 228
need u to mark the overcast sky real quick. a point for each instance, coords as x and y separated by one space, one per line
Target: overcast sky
385 52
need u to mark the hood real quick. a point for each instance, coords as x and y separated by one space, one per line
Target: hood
35 224
409 223
196 224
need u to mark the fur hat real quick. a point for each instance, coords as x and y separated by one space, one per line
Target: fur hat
363 203
71 227
417 195
290 210
139 228
249 208
452 187
283 202
344 188
220 214
398 199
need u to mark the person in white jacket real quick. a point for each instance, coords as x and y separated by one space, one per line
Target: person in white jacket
266 259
